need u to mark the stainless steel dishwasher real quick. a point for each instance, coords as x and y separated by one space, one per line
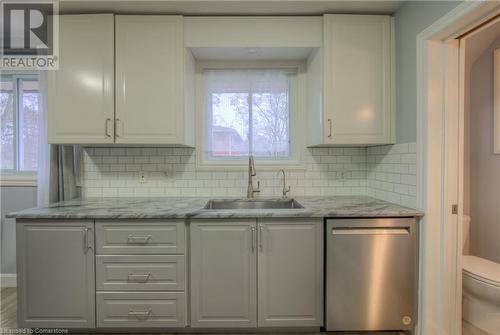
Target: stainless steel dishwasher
371 274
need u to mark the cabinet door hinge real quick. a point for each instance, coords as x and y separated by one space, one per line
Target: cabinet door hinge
454 209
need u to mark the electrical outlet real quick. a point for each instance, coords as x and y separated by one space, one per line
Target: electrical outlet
143 177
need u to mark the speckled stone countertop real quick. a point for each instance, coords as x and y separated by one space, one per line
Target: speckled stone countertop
180 208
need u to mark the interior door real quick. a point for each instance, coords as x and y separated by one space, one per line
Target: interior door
223 274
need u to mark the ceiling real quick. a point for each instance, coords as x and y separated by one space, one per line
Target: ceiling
229 7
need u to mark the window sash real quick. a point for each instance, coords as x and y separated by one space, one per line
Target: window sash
17 105
248 89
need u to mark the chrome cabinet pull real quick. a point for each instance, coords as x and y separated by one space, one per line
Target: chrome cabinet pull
86 240
106 127
141 315
330 126
140 278
117 121
252 241
260 237
138 239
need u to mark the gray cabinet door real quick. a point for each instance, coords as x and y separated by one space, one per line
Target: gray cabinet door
223 273
55 271
290 271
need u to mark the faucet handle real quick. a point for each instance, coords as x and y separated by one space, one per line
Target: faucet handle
257 190
286 190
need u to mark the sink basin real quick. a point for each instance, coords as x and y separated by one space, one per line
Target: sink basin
253 204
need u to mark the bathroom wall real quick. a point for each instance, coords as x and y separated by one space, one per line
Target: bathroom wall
484 164
386 172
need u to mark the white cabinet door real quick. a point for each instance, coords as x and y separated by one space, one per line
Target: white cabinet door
290 273
149 79
358 79
55 271
223 274
80 93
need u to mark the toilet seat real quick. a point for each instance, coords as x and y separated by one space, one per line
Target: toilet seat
482 269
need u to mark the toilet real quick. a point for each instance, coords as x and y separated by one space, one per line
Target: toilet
480 293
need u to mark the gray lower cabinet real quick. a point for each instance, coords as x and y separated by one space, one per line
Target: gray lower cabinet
223 273
227 287
140 309
140 272
55 274
290 280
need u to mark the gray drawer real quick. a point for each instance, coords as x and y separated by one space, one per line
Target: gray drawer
140 309
133 237
140 272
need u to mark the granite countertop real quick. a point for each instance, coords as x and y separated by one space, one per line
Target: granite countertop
180 208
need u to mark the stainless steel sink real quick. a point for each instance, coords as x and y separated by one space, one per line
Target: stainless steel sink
253 204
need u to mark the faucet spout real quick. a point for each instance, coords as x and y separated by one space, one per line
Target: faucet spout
285 189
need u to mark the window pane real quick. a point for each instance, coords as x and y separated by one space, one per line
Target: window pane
28 125
271 124
229 125
248 111
7 124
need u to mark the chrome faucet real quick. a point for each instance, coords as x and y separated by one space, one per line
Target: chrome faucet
285 189
252 173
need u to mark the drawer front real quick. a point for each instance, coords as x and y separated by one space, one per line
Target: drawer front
140 237
140 272
140 309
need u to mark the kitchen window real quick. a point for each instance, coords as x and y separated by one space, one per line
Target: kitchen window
249 112
19 119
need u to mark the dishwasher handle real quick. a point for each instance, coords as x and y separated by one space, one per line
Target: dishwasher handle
371 231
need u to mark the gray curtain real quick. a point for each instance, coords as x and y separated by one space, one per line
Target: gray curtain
65 162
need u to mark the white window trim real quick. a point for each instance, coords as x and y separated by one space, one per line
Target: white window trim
239 165
18 179
15 177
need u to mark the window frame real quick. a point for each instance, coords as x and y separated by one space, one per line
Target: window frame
16 177
296 100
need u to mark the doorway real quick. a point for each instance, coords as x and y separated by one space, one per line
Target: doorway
440 142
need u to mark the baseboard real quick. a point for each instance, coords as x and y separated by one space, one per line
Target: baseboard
8 280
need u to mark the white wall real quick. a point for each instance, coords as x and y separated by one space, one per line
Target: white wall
484 165
411 19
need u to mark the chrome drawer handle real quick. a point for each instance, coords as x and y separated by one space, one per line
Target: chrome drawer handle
141 315
139 239
141 278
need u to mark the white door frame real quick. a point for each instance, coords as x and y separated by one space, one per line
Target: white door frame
440 133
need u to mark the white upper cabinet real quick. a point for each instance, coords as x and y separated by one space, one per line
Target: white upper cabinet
153 74
150 76
80 93
358 84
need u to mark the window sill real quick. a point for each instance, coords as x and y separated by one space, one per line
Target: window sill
260 166
18 180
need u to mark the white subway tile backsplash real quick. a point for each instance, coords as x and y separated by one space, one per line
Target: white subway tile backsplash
392 173
387 172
